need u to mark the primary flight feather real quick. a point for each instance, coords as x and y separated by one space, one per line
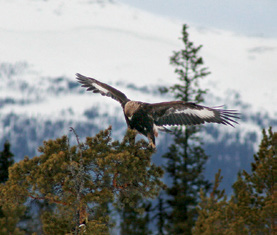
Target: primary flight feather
148 118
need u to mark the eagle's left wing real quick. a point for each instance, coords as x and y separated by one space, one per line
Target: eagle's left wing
104 89
187 113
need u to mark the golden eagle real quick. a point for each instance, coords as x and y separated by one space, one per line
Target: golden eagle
148 118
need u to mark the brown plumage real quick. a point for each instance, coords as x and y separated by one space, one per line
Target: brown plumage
148 118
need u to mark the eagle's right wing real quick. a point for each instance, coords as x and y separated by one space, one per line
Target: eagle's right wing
98 87
187 113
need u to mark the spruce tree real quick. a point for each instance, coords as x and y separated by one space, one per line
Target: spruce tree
186 157
160 216
6 160
83 182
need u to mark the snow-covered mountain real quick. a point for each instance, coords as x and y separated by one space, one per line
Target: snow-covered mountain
44 43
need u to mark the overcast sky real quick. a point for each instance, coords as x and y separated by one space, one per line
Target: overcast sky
248 17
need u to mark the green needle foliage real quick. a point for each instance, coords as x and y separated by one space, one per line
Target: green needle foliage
135 218
6 160
216 205
186 157
256 193
82 182
253 207
9 214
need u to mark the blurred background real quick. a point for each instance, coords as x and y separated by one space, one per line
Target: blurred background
128 44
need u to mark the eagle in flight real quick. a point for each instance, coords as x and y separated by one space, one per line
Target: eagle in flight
148 118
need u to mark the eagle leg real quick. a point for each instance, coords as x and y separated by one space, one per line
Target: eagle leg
151 140
152 145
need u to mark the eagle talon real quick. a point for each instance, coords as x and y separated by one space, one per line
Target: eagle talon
151 145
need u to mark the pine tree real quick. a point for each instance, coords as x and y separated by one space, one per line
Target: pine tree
9 216
252 208
186 157
256 193
82 182
212 211
12 209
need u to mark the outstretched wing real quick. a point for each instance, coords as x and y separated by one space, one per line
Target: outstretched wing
183 113
102 88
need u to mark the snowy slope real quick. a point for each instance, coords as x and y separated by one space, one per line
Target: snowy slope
115 43
120 45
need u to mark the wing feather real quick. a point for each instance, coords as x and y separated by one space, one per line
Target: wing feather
98 87
187 113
